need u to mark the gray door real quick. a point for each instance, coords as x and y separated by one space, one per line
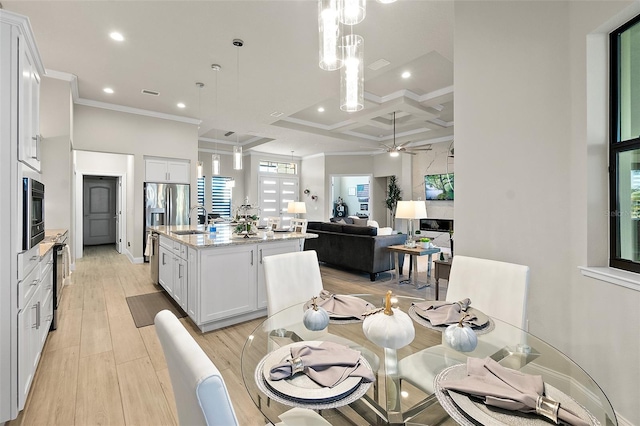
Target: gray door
99 210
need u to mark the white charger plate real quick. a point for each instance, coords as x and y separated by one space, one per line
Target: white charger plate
469 412
487 326
339 319
300 386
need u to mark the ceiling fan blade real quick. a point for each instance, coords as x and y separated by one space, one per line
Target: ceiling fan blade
387 147
403 144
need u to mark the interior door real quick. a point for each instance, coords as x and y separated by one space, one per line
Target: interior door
118 215
99 210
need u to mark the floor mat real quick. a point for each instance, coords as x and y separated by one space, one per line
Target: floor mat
145 307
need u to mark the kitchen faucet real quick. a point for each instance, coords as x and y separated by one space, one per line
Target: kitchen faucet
199 206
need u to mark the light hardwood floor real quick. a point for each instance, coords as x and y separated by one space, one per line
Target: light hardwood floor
98 368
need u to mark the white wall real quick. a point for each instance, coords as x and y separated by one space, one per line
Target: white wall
524 166
312 173
56 164
102 130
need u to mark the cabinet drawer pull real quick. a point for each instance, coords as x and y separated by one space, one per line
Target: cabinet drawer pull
38 316
179 270
35 324
35 282
163 262
34 257
261 256
251 257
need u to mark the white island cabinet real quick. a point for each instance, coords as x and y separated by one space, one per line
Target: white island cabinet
219 280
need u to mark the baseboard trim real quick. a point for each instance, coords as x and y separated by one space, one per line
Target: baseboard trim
133 259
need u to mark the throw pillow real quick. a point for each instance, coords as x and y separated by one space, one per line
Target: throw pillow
385 231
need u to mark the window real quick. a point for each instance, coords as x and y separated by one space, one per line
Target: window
282 168
220 196
201 199
624 147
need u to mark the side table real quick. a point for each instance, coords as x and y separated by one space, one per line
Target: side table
442 270
413 264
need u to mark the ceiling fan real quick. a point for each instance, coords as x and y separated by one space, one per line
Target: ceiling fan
397 149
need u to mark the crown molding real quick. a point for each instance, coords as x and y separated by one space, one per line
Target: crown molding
137 111
65 76
309 157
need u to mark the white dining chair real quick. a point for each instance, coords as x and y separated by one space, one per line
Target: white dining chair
200 392
293 278
498 289
199 389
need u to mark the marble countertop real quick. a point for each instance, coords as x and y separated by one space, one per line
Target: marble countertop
51 237
224 236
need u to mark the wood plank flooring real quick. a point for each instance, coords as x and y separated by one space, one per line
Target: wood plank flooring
97 368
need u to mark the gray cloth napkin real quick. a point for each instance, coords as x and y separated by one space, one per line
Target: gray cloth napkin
445 313
505 388
327 364
345 306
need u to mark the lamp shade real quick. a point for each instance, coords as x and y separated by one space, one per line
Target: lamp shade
411 210
296 207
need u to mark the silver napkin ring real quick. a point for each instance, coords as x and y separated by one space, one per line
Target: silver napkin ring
548 408
296 365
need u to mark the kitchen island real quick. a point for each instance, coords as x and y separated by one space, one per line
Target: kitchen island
218 279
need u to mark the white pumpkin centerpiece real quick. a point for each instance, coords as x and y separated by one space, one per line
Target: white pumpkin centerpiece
461 337
390 328
315 318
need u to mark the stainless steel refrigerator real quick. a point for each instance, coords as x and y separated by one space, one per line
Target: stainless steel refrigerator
165 204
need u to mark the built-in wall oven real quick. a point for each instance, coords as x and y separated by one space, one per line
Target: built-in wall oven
32 213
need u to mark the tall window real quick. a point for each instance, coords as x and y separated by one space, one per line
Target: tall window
201 218
220 196
624 149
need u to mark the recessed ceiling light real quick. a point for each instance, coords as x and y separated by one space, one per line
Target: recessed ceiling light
320 109
116 36
108 90
181 105
406 74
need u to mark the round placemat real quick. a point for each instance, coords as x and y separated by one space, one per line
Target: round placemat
424 322
340 401
472 413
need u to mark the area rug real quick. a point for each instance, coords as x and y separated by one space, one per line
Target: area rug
145 307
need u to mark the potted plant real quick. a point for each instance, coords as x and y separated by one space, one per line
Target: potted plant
394 194
426 242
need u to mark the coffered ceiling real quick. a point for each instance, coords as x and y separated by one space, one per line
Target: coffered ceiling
268 92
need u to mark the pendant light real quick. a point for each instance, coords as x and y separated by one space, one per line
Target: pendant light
352 12
237 149
394 152
199 164
329 35
215 158
352 74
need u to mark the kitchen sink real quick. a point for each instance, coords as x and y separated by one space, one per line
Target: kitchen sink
188 232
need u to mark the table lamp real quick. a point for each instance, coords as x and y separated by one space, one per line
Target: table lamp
411 210
296 207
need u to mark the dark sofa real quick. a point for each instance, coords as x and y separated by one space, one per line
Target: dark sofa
354 247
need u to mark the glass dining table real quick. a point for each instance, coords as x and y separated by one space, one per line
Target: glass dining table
393 399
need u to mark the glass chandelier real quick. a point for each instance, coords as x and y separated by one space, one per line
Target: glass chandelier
237 157
215 164
329 34
352 74
352 12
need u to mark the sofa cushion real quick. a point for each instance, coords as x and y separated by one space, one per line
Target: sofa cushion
314 225
359 230
385 231
331 227
343 220
360 222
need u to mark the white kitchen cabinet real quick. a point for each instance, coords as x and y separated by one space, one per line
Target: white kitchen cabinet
166 266
166 170
228 280
34 321
193 288
265 250
180 282
29 103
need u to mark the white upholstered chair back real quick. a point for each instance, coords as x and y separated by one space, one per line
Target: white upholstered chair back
291 278
200 393
498 289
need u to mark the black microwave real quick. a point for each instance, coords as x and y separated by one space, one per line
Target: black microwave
32 213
